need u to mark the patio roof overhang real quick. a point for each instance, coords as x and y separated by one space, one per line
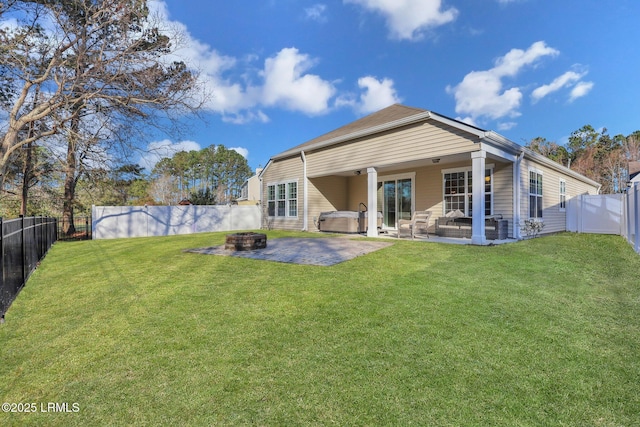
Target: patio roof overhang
495 145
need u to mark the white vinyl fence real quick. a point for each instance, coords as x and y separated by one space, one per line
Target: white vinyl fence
111 222
631 228
607 214
599 214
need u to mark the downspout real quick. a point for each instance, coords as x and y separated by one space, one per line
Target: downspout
517 197
305 203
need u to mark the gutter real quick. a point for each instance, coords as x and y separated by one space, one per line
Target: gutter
263 220
517 196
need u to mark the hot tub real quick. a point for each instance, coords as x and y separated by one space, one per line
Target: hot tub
345 221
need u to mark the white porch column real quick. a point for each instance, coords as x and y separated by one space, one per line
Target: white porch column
372 202
478 166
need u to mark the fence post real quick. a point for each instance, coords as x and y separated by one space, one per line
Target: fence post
627 216
1 268
636 214
581 212
23 236
36 242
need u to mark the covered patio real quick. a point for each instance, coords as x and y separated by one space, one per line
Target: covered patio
478 186
401 160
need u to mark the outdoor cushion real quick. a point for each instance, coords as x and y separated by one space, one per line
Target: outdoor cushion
455 214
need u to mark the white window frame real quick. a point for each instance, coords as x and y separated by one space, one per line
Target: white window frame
562 189
281 205
468 192
397 177
540 195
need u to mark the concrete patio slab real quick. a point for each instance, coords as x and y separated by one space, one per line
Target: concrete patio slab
308 251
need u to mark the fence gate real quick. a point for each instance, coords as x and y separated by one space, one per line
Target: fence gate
598 214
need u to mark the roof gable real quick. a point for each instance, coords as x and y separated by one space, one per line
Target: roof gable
384 116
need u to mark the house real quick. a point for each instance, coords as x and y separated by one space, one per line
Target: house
634 172
402 159
250 191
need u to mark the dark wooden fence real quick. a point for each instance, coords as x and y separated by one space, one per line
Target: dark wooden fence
23 243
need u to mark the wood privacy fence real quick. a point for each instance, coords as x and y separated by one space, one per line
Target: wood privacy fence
110 222
607 214
23 243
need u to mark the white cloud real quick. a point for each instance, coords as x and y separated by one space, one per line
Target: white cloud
242 90
159 149
467 120
409 19
286 85
377 95
241 150
482 93
238 89
317 13
580 90
245 117
506 126
568 79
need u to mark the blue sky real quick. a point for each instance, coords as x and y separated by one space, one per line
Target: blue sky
282 72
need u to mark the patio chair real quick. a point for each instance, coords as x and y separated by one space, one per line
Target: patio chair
419 221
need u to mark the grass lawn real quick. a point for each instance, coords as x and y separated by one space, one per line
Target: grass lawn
136 332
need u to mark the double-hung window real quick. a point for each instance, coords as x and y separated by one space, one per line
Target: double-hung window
535 194
271 200
563 195
292 199
458 191
282 199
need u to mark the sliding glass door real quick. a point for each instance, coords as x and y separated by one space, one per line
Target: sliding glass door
395 199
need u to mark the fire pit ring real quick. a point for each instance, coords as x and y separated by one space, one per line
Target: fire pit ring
245 241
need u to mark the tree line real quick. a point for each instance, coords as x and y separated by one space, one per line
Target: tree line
594 154
214 175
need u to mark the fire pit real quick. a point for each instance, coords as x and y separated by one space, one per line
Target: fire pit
245 241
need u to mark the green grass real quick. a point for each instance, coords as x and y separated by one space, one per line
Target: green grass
136 332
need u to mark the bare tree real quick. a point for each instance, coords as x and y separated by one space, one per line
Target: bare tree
631 147
98 64
549 149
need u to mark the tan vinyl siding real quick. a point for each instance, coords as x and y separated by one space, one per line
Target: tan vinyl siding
326 194
419 141
554 218
290 169
503 192
429 192
357 187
